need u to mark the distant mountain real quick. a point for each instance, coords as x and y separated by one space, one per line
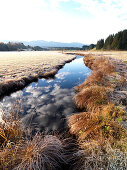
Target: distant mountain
42 43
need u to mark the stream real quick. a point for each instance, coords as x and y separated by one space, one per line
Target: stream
46 104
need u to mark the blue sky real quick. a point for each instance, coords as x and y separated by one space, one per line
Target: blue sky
83 21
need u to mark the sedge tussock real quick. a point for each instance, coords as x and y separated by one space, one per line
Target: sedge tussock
122 80
90 97
77 122
17 151
89 60
96 78
113 111
41 153
103 64
11 128
97 127
100 63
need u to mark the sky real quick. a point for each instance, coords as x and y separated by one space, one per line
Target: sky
84 21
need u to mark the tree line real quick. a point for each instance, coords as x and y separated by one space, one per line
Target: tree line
17 46
10 46
116 41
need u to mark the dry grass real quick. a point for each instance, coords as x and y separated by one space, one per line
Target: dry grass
17 69
89 60
113 111
11 129
96 128
96 78
98 131
91 97
94 91
103 64
122 80
98 159
120 55
20 150
41 153
95 160
101 67
50 73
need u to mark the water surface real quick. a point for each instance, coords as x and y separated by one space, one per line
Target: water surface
47 103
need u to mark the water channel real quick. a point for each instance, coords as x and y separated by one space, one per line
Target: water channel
46 104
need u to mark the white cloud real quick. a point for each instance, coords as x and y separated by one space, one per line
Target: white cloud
107 16
61 75
55 3
42 19
17 94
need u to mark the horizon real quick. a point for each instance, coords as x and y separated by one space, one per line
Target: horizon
15 41
66 21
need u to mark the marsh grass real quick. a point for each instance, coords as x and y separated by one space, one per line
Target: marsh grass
21 150
96 78
94 91
10 85
87 160
89 60
122 80
50 73
11 128
91 97
103 64
98 128
99 158
41 153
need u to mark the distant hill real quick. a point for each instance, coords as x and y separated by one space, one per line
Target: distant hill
32 46
42 43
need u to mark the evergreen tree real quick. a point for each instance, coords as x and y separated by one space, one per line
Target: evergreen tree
85 47
108 42
124 40
3 47
117 41
91 46
100 44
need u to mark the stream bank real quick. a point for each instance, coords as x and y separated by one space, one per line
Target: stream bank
100 128
47 103
19 69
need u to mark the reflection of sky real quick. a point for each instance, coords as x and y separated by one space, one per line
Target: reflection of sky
46 104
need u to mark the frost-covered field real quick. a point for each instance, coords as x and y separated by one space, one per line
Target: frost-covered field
15 65
122 55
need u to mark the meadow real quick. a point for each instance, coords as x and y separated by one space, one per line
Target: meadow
14 65
96 137
120 55
17 69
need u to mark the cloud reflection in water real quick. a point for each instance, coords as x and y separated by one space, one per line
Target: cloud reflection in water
46 104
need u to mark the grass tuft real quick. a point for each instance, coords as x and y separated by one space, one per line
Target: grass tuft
91 97
41 153
96 128
96 78
20 150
